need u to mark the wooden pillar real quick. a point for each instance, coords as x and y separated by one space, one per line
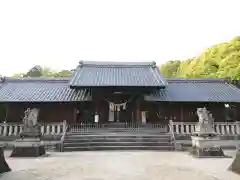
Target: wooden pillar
182 113
138 112
6 112
75 115
97 109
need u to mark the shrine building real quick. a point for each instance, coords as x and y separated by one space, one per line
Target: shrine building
117 92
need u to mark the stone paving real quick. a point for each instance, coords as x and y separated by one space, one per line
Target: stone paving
112 165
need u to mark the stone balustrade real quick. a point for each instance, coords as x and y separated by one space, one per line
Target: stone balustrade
227 128
14 129
58 128
223 128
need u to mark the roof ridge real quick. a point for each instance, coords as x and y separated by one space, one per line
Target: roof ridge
116 64
198 80
36 79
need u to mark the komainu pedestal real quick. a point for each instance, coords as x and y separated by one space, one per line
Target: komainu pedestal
3 164
206 145
28 147
235 166
205 142
30 144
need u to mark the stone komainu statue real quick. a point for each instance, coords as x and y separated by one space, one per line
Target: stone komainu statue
30 117
30 124
205 124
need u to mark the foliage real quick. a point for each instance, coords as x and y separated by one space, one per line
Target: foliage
170 69
38 71
221 60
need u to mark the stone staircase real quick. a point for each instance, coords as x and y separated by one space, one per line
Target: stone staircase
114 139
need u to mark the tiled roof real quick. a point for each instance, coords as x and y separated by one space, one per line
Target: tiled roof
197 90
58 90
40 90
90 74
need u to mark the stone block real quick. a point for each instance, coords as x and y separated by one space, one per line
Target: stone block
206 145
3 164
235 166
28 147
207 152
31 132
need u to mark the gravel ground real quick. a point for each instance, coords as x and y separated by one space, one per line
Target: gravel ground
113 165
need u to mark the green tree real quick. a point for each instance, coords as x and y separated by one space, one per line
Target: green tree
170 69
221 60
18 75
63 73
38 71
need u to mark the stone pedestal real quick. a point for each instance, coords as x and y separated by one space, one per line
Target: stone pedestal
30 145
31 132
3 164
235 166
206 145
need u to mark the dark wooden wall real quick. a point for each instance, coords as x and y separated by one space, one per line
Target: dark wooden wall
157 112
49 112
186 111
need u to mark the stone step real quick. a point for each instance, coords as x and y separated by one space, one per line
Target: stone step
99 148
89 131
123 126
113 135
115 131
75 144
117 140
116 137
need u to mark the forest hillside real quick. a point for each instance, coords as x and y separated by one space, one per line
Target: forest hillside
219 61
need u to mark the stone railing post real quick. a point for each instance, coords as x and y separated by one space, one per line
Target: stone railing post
1 129
188 129
232 129
5 127
193 127
217 128
238 127
222 129
10 129
182 128
53 129
177 128
15 129
48 129
227 130
21 128
42 129
171 126
64 125
59 128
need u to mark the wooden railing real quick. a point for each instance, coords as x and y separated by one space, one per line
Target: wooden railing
220 128
14 129
74 128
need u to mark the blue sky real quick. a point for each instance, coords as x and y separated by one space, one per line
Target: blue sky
58 33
